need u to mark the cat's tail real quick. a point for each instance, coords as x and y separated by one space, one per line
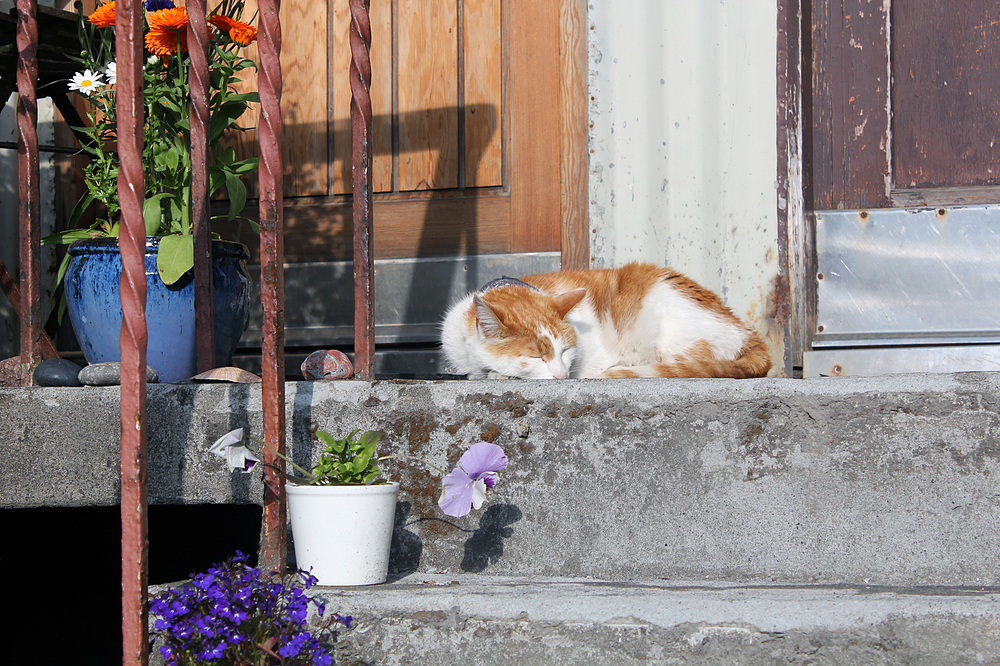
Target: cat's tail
752 361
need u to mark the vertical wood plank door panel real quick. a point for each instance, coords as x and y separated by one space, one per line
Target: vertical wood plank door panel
380 15
428 95
946 93
850 95
303 98
470 131
482 53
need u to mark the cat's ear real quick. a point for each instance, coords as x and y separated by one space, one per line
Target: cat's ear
567 301
486 319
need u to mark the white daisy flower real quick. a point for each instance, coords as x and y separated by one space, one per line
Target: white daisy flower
86 82
111 71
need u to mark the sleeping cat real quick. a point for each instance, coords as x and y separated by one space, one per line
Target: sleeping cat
640 320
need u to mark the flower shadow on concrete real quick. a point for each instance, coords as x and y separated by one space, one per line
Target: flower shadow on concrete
485 546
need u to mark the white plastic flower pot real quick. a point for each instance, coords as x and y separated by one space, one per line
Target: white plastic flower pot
343 533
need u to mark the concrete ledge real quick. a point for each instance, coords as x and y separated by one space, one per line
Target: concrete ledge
888 480
474 619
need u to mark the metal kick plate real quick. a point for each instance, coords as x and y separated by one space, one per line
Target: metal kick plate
411 296
870 361
907 277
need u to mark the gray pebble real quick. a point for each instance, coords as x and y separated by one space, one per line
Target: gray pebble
110 374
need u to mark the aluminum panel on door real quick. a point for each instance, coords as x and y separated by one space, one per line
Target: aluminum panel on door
903 276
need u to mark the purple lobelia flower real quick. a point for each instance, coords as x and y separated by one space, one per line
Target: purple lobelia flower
230 446
465 487
156 5
235 614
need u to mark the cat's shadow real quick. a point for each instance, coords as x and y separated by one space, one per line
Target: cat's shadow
485 546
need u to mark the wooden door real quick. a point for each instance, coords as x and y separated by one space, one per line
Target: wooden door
479 132
905 103
902 138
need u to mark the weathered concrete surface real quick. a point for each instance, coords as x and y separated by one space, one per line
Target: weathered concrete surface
455 620
475 619
887 481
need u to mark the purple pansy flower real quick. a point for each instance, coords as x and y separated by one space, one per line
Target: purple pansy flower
157 5
230 446
465 487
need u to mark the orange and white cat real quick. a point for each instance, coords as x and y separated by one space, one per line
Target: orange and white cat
640 320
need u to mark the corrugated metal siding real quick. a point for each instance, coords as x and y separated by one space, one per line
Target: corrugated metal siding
683 144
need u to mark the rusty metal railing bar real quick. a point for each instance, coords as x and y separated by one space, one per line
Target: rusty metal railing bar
27 169
198 120
361 170
273 546
132 245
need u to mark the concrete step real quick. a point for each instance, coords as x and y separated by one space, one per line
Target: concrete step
466 619
862 481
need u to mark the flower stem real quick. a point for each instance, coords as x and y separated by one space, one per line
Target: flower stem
312 477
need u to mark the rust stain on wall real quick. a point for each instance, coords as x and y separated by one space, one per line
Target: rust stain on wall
511 402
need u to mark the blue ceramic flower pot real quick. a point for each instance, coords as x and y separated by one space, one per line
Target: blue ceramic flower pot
94 306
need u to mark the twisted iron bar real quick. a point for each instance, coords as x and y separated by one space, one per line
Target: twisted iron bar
198 120
27 162
273 547
361 163
132 245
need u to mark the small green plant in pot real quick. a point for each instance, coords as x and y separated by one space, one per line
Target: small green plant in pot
347 461
342 512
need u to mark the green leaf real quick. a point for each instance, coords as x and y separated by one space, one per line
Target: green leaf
245 166
172 158
68 236
228 156
175 257
63 265
237 195
152 215
80 207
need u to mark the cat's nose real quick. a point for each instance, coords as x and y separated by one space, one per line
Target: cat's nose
558 370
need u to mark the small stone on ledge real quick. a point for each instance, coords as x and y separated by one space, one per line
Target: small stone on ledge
327 364
227 374
110 374
57 372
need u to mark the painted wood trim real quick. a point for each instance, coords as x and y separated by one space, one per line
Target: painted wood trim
931 197
788 297
850 141
574 159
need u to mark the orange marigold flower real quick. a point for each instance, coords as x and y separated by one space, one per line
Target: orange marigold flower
167 31
103 16
175 18
240 32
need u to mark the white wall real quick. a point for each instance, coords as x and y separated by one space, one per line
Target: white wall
684 161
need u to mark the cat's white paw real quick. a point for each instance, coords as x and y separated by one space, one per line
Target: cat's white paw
496 375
